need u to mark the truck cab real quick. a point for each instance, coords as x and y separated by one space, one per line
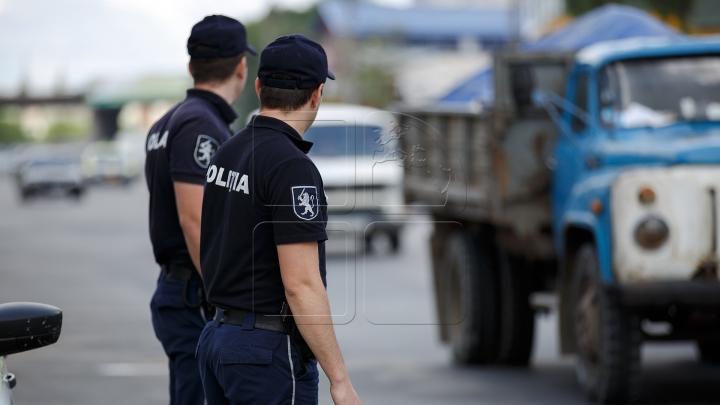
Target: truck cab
634 205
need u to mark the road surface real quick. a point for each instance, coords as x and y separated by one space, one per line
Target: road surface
93 260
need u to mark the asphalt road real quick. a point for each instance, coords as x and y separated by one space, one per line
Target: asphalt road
93 260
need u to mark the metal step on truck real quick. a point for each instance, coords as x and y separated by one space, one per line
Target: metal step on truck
594 177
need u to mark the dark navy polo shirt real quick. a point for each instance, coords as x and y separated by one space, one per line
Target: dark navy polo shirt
261 191
179 148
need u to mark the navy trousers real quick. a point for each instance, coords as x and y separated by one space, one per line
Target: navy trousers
243 365
178 328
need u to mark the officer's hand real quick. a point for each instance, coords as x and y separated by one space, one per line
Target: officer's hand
344 394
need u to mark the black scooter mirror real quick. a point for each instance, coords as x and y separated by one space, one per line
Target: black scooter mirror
28 325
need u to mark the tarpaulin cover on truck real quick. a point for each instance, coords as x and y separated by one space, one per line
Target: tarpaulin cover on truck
610 22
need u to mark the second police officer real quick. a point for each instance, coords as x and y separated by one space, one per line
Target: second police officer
179 148
262 247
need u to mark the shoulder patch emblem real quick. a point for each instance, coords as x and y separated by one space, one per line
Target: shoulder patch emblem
205 149
305 202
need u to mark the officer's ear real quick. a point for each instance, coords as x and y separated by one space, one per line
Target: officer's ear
241 70
190 69
257 86
317 96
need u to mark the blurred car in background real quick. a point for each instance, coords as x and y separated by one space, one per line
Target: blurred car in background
10 157
354 148
25 326
50 170
104 162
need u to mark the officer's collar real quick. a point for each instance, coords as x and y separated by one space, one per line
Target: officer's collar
227 113
262 121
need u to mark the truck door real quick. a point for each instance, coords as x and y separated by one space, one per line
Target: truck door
526 137
567 161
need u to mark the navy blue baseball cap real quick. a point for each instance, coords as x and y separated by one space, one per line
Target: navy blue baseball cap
297 56
217 36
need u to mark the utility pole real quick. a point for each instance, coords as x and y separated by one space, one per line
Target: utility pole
514 25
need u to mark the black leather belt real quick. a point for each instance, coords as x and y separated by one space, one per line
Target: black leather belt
273 323
178 272
186 274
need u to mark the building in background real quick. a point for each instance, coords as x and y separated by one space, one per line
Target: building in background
102 112
134 105
532 16
416 54
430 26
54 118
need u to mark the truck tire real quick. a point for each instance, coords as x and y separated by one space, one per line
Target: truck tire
469 286
709 351
76 193
607 336
517 318
26 195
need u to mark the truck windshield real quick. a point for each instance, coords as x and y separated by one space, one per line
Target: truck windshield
660 92
336 140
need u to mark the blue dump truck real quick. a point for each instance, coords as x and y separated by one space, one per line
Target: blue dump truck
593 180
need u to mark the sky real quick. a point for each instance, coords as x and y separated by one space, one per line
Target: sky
51 44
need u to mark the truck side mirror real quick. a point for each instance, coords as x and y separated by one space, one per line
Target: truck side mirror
28 325
549 101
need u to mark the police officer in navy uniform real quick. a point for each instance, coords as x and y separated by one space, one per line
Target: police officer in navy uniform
263 250
179 149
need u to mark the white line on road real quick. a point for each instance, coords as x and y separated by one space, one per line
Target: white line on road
133 369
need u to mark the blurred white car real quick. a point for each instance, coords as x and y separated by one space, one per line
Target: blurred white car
50 169
105 162
355 150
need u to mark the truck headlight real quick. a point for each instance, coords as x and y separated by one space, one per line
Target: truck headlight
651 232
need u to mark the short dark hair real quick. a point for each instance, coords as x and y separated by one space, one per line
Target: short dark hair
274 98
214 70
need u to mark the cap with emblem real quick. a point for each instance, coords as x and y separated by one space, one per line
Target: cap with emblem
217 36
297 56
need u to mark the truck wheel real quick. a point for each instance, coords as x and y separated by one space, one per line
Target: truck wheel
469 288
26 195
709 351
607 336
517 318
76 193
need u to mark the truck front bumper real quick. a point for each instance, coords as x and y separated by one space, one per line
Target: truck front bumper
665 293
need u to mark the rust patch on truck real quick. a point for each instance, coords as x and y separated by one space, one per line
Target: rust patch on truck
520 164
540 182
500 163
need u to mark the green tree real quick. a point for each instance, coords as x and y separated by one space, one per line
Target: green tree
11 132
378 86
66 132
10 129
260 34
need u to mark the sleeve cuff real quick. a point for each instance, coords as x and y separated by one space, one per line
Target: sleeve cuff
308 237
